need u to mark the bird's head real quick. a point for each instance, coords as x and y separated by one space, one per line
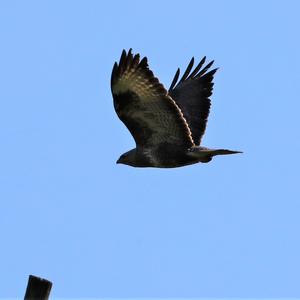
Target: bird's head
127 158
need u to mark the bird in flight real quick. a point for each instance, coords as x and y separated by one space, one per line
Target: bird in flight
167 126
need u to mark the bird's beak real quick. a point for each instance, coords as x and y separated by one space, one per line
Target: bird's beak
118 161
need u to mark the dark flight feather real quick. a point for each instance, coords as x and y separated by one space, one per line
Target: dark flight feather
175 79
198 67
192 94
187 71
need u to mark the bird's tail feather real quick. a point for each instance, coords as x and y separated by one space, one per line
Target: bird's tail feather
205 154
223 152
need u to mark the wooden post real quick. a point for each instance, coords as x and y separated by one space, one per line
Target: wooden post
37 288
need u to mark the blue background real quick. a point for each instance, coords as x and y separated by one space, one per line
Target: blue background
68 213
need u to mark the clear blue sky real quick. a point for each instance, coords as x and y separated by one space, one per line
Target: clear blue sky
96 229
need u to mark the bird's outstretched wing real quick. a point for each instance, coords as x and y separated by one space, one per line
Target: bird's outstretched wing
145 107
191 93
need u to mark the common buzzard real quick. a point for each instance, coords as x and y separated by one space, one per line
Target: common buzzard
167 126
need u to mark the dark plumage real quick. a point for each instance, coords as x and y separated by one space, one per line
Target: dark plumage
167 126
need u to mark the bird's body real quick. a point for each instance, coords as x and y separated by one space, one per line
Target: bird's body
170 156
167 125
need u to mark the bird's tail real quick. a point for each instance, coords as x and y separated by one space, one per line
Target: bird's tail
206 154
223 151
